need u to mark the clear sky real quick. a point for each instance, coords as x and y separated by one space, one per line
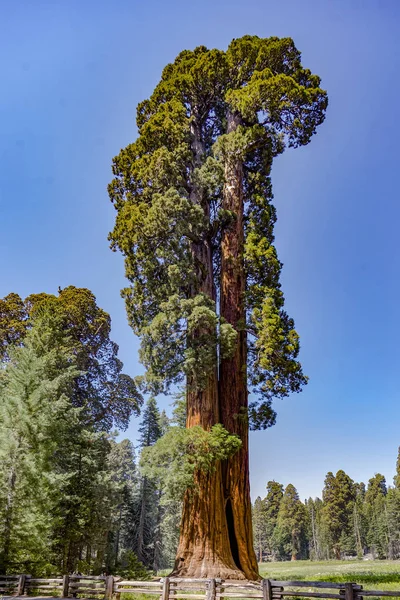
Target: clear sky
72 73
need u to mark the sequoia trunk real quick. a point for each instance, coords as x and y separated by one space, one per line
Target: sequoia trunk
204 548
204 545
233 375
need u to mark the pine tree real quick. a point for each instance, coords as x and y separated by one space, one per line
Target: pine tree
148 517
272 503
396 479
393 522
34 411
376 514
195 223
259 527
290 531
316 534
123 486
360 525
339 495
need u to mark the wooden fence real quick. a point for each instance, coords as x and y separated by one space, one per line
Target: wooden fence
171 588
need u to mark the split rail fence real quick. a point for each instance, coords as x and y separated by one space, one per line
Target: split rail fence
172 588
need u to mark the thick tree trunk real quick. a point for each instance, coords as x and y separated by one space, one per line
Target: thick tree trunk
204 546
233 376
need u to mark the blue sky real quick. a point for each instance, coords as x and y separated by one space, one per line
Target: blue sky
72 73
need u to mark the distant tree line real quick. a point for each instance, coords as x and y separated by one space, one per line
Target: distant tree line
351 520
71 496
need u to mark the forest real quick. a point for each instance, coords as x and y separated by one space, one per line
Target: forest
71 496
351 520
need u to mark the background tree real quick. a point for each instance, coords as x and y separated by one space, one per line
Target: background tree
290 532
195 224
376 515
124 485
145 526
259 527
316 533
360 522
73 468
34 408
339 495
272 503
107 395
13 323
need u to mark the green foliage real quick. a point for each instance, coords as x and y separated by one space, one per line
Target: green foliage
259 527
130 567
146 515
396 479
339 495
66 487
351 520
289 537
13 322
180 453
272 504
376 514
34 417
106 395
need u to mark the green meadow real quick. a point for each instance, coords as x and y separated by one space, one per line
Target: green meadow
372 574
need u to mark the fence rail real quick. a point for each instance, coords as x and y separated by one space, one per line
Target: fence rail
173 588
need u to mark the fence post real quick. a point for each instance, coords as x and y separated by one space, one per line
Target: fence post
21 585
266 589
211 590
65 586
109 587
165 589
348 591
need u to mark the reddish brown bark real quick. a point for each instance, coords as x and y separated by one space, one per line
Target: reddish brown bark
233 375
204 547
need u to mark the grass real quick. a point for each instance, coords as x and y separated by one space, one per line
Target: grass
372 574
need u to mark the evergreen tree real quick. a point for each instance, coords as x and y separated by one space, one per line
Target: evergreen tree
34 414
123 484
396 479
376 514
148 517
339 495
291 526
360 523
393 522
77 522
13 323
195 223
316 533
107 395
272 503
259 527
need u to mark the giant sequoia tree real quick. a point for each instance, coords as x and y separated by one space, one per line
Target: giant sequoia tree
195 223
